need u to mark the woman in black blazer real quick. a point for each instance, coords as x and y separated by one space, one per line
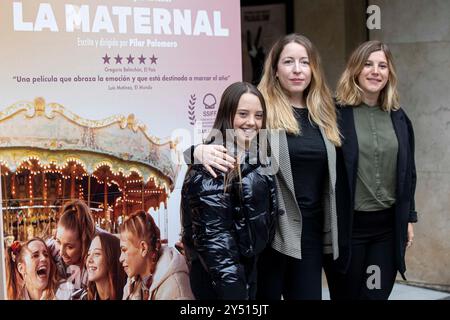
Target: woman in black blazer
376 178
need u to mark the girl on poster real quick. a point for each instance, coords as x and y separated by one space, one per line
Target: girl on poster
31 273
74 234
155 271
106 277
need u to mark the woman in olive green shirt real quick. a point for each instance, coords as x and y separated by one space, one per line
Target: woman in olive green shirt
376 178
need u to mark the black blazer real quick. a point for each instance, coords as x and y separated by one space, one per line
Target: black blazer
347 166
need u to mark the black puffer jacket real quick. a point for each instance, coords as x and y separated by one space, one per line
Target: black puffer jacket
222 230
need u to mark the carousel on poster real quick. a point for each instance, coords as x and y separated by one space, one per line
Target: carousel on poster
49 155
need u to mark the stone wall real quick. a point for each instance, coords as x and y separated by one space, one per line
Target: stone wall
336 27
418 33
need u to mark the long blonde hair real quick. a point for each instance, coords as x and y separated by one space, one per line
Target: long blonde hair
349 92
317 95
76 216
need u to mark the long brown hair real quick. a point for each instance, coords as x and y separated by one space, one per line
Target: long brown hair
317 95
229 103
143 228
348 91
115 273
76 216
225 117
15 282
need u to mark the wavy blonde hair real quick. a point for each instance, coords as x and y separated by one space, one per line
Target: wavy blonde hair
317 95
348 91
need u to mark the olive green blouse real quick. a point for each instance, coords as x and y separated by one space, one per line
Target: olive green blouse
377 162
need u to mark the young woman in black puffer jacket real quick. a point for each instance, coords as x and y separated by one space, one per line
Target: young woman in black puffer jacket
229 219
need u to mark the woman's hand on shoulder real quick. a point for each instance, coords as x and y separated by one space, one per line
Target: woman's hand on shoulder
213 156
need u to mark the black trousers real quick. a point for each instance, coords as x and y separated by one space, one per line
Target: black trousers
294 279
372 270
203 289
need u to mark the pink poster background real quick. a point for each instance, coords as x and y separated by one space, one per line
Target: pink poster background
161 105
63 66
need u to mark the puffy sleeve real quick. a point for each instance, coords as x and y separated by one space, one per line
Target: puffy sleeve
257 213
213 234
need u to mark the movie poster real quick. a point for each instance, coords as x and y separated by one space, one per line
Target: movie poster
98 101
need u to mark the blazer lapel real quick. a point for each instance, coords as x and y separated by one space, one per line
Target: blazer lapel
285 161
350 145
331 158
281 152
402 138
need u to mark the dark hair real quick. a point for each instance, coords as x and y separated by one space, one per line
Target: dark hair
115 273
229 103
15 281
76 216
225 119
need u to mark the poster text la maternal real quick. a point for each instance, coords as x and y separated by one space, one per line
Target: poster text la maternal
118 19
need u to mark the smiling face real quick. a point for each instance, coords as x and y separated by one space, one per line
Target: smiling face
35 267
133 255
374 75
294 71
70 245
96 261
248 118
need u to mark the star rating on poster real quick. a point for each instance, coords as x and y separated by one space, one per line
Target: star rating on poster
130 59
118 59
141 59
153 59
106 59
